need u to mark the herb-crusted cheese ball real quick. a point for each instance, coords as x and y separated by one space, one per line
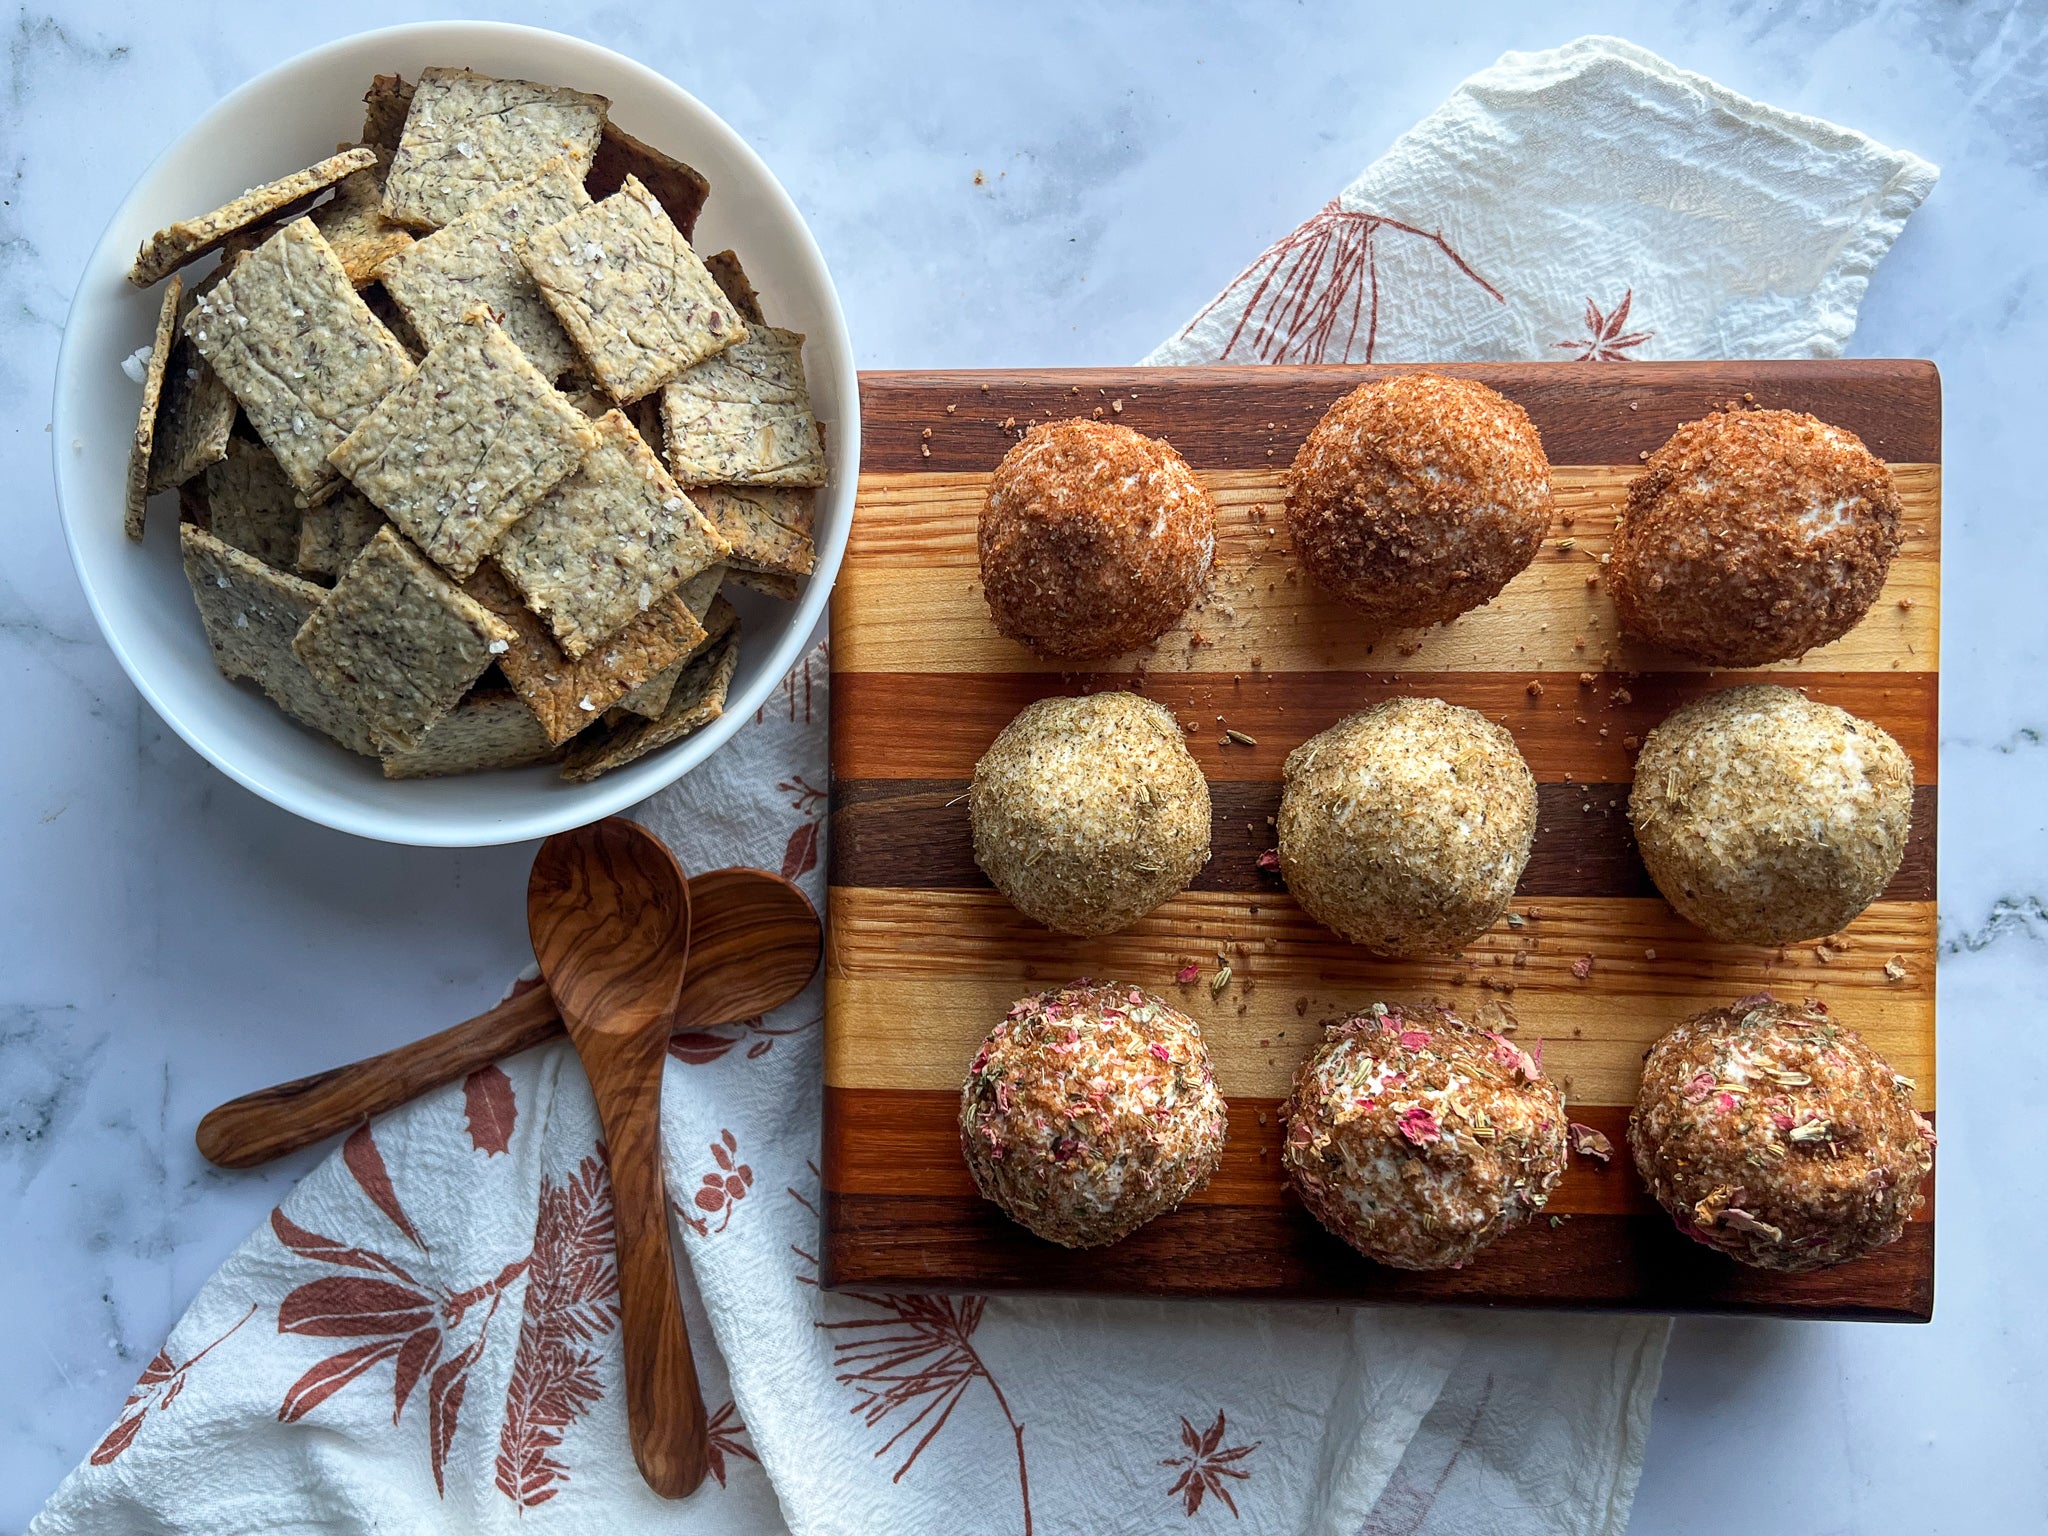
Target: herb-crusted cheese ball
1418 497
1094 539
1766 818
1419 1139
1405 828
1777 1135
1089 1110
1752 536
1088 813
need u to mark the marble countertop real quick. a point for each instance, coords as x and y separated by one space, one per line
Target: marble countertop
167 939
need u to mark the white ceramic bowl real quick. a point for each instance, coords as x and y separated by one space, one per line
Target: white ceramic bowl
292 116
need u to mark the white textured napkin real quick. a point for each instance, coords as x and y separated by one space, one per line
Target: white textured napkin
424 1337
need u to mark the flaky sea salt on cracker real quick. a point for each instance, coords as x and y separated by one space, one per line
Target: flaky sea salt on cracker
630 292
398 642
251 505
334 533
154 365
698 700
464 449
491 728
170 248
767 529
651 698
469 136
354 224
744 417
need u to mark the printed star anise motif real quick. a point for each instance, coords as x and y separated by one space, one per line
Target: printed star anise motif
1206 1465
1605 341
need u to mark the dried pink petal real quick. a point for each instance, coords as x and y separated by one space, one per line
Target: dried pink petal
1160 1051
1588 1142
1414 1039
1188 974
1419 1126
1582 967
1270 861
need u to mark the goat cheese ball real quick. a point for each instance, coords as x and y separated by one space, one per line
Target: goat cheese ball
1419 1139
1406 827
1088 813
1094 540
1418 497
1774 1133
1766 817
1089 1110
1754 536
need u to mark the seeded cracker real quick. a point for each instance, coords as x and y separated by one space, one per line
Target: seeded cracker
152 397
399 642
354 223
334 533
769 530
769 583
464 449
731 278
471 262
651 698
251 613
678 188
385 105
468 136
491 728
249 505
744 416
699 699
288 333
630 292
170 248
193 423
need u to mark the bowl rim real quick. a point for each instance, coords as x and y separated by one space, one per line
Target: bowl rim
433 828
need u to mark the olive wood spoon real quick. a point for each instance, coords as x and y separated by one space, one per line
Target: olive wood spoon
608 909
754 944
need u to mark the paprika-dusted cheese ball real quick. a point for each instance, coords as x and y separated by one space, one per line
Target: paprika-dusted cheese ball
1088 813
1753 536
1418 497
1406 827
1774 1133
1419 1139
1094 539
1766 817
1089 1110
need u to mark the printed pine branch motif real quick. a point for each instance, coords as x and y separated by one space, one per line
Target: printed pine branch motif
1205 1466
572 1289
158 1387
1605 341
722 1438
722 1189
1317 286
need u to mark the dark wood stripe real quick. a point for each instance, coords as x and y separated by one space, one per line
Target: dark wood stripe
1248 418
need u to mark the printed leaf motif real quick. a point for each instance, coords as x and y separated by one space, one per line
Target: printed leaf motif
721 1190
158 1387
1605 341
1206 1465
419 1353
444 1403
697 1047
723 1440
326 1250
367 1164
330 1376
491 1108
801 856
121 1436
345 1307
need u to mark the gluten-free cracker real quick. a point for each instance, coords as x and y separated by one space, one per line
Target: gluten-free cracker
676 186
171 247
251 613
468 136
385 105
731 277
744 416
194 420
354 224
773 583
651 697
399 642
334 533
599 549
250 504
768 529
464 448
699 699
630 292
472 261
153 370
491 728
289 334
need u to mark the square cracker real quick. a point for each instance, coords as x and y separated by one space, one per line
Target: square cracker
676 186
385 105
744 417
769 529
171 247
468 136
464 448
471 262
195 420
288 333
651 697
491 728
731 278
144 446
630 292
249 504
568 696
698 700
598 549
399 642
251 613
332 534
354 223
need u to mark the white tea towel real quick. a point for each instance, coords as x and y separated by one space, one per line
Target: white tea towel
425 1335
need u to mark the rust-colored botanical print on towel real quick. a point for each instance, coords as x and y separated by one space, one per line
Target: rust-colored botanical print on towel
158 1387
1605 341
491 1109
723 1440
572 1290
722 1189
794 693
1406 1502
1205 1466
800 857
695 1047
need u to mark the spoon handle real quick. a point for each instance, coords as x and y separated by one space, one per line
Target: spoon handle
273 1121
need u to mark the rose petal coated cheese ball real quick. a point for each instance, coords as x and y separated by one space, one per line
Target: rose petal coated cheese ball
1094 539
1766 817
1088 813
1753 536
1777 1135
1405 828
1418 497
1089 1110
1419 1139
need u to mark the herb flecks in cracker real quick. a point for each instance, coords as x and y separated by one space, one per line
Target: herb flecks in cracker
731 277
354 224
334 533
698 700
250 504
490 729
769 529
468 136
144 445
171 247
744 417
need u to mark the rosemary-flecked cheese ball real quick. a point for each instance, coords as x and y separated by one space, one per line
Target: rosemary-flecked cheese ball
1753 536
1777 1135
1766 817
1088 813
1089 1110
1418 497
1405 827
1419 1139
1094 539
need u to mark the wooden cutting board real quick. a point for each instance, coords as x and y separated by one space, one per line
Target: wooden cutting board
923 956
